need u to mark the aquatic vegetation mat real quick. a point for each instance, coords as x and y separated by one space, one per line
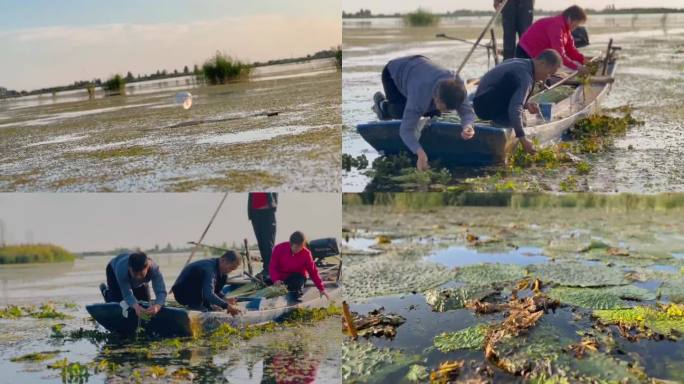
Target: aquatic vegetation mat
601 298
45 311
364 363
565 163
667 320
469 338
383 276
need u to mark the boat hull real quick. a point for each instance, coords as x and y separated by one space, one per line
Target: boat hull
179 322
491 145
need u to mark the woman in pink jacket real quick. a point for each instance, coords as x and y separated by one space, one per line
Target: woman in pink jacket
556 33
291 262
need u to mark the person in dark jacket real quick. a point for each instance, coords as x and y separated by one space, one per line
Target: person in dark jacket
516 17
128 275
416 87
503 93
200 283
261 209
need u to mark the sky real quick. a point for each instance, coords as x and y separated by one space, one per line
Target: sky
392 6
104 221
47 43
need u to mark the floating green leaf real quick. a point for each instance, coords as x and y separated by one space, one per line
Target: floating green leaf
469 338
483 274
382 276
574 274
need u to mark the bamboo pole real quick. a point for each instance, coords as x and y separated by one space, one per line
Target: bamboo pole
349 320
484 31
211 221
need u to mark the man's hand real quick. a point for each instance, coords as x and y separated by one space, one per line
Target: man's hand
324 293
582 70
528 145
497 3
231 301
533 108
278 283
139 310
153 310
467 132
233 311
422 163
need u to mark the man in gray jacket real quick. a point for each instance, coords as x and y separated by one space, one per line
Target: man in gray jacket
504 91
128 275
416 87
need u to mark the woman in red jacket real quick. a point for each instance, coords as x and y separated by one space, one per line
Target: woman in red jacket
291 262
556 33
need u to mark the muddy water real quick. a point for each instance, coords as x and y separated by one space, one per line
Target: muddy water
313 350
649 78
144 142
524 236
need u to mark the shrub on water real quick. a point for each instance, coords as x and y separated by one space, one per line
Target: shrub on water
90 87
222 68
338 56
116 85
421 18
34 253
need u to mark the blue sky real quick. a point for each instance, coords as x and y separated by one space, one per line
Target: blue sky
86 39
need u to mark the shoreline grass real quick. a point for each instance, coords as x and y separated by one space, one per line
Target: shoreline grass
34 253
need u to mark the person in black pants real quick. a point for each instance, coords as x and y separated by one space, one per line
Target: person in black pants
517 16
261 209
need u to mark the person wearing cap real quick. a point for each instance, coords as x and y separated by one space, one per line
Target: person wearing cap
200 283
291 262
416 87
128 278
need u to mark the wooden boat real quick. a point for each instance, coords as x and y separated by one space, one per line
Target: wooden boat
442 140
180 322
254 301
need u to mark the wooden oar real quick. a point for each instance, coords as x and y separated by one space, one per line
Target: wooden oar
489 24
443 36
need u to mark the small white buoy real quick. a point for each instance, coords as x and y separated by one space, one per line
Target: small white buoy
184 99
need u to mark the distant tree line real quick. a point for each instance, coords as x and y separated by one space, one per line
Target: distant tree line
609 10
159 74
